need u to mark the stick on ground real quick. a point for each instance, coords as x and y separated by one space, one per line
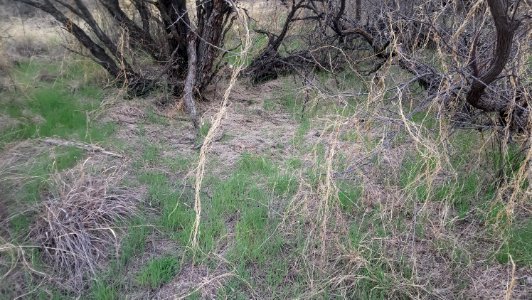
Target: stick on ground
87 147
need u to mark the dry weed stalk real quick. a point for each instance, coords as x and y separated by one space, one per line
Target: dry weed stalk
328 261
511 280
16 262
328 190
200 169
77 225
205 282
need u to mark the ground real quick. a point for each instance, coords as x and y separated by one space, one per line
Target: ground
307 192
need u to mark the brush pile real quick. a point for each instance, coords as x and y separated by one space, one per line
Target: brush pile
77 225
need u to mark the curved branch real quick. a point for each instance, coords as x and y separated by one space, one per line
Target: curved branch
505 29
101 57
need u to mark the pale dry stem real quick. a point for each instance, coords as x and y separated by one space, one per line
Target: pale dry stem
200 169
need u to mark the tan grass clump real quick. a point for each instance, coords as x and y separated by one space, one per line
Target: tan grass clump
76 227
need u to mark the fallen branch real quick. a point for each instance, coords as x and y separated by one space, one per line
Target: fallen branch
87 147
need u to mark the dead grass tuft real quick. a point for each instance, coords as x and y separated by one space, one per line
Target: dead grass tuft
195 280
77 225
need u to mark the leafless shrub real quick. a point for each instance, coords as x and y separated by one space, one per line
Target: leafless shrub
76 226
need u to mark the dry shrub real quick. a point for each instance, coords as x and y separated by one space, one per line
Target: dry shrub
399 239
27 46
24 38
76 226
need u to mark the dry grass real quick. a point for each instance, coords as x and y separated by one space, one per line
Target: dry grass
414 246
78 224
390 243
246 42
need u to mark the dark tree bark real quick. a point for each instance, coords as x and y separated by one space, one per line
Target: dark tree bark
213 15
505 30
144 13
269 63
190 81
142 38
176 25
96 50
358 10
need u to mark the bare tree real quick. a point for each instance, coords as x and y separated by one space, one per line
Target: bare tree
324 18
397 31
505 29
186 50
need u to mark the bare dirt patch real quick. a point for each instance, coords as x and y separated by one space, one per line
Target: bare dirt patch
249 128
193 279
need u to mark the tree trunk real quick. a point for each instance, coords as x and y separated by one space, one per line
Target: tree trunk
358 10
190 81
99 53
211 32
505 32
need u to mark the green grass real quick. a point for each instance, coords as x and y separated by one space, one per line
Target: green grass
301 102
204 128
57 108
40 169
349 194
269 104
62 108
290 100
250 200
82 70
176 215
151 153
507 162
32 258
425 118
135 241
259 41
283 184
245 208
68 158
178 163
518 245
154 118
292 44
466 190
100 290
158 272
60 116
48 109
255 164
376 281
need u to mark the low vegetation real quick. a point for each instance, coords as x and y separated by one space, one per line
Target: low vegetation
315 183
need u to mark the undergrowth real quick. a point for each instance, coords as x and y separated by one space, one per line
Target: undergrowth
61 105
369 199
